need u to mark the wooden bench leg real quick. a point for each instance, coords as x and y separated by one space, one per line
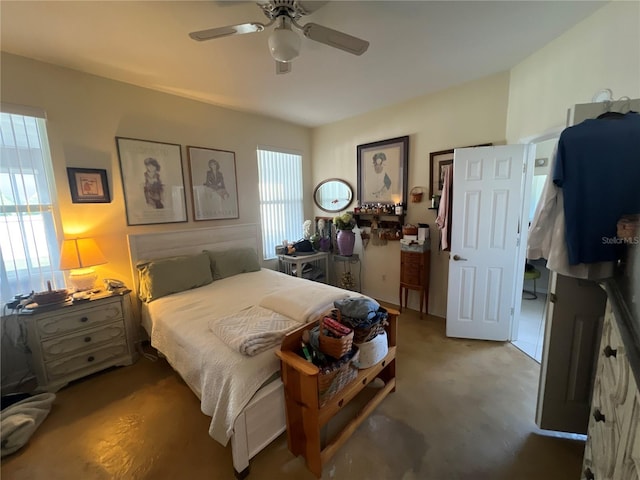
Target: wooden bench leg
313 448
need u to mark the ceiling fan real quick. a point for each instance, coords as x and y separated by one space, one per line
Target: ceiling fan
284 43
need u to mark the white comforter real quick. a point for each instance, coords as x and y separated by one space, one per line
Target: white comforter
223 379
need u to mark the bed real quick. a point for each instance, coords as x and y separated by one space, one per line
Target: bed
246 407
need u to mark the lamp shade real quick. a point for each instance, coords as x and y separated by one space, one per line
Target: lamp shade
80 253
284 44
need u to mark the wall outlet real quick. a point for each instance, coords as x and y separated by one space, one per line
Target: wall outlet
384 277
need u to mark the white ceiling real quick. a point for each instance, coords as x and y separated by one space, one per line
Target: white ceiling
417 47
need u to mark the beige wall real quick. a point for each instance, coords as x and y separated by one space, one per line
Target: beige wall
466 115
84 115
602 51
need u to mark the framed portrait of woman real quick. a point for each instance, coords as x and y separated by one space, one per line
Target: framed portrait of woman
214 186
152 181
383 171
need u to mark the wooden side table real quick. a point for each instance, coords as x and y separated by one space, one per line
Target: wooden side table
305 416
415 261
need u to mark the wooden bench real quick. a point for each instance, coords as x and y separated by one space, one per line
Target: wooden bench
305 416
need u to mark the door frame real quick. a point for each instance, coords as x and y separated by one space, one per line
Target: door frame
532 140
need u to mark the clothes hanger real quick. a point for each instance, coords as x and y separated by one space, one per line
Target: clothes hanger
608 114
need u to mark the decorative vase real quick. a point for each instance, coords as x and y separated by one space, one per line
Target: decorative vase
325 244
346 239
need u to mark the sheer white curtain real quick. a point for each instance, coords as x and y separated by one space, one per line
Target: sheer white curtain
28 243
281 205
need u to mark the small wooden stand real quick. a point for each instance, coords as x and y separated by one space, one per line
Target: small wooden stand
414 275
305 417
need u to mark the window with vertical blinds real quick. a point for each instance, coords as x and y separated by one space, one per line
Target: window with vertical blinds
28 243
281 206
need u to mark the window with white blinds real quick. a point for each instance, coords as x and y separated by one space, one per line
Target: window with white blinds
281 206
28 243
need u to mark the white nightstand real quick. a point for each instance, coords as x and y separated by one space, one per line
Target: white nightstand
71 341
296 265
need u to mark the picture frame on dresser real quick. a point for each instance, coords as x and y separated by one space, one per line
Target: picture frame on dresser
152 181
214 184
88 185
382 169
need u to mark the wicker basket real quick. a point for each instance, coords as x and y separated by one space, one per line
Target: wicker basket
332 346
416 195
334 378
361 335
628 226
409 230
50 296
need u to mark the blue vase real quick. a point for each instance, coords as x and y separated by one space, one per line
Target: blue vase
346 239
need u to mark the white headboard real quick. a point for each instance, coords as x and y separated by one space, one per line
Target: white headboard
148 246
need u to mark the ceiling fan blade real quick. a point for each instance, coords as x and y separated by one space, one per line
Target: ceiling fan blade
283 67
219 32
335 39
310 6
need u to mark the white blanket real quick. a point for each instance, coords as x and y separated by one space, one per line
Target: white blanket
303 303
253 330
20 420
223 378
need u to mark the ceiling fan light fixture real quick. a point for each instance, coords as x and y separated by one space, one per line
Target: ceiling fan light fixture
284 44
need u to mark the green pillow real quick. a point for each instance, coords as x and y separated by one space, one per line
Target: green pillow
164 276
227 263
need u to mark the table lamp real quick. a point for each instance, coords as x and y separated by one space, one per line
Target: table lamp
79 255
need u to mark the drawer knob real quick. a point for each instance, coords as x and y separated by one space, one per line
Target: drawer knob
84 319
610 352
87 339
588 474
91 358
598 416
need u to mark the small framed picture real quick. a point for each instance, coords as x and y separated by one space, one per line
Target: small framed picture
213 183
439 161
88 185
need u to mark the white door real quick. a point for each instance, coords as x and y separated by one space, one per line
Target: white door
572 331
489 197
572 334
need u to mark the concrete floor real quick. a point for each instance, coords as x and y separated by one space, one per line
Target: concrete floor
462 410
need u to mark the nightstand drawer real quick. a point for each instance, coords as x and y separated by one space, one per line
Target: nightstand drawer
90 361
76 319
84 340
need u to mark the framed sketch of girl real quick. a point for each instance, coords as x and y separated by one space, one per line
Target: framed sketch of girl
152 181
383 171
213 183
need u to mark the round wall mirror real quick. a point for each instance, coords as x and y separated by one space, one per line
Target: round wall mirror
333 195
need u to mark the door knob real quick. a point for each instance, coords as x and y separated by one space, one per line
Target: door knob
458 258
